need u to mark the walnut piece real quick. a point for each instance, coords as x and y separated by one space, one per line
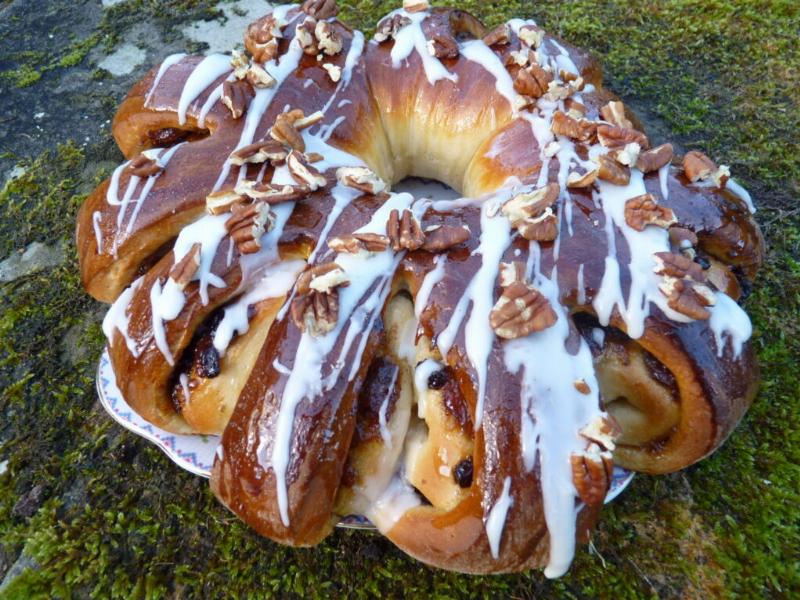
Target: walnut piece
248 222
611 171
404 231
521 310
643 210
577 129
320 9
237 95
259 152
614 113
592 471
654 159
359 242
612 136
360 178
221 201
183 271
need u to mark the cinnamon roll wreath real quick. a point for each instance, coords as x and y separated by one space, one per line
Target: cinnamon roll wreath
463 372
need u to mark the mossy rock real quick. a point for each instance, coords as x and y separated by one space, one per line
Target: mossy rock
89 510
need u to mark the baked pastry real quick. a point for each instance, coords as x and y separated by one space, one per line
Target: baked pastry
465 373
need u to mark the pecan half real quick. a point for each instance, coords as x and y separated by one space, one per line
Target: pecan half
404 231
445 237
604 431
237 95
654 159
611 171
531 213
328 39
265 150
677 265
577 129
261 39
269 192
388 28
303 173
531 35
360 178
643 210
248 222
442 46
533 81
688 297
359 242
521 310
592 471
498 36
258 77
183 271
614 113
315 308
320 9
144 166
221 201
612 136
413 6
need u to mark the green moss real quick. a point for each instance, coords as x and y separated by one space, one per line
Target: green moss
22 77
119 520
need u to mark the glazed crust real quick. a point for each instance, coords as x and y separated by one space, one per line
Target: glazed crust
290 484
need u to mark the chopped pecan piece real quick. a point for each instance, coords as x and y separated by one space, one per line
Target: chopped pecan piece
258 77
611 171
265 150
445 237
654 159
236 95
626 156
404 231
582 387
261 39
698 167
248 222
388 28
285 132
240 64
577 129
498 36
442 46
315 308
303 173
578 180
591 474
688 297
521 310
144 166
328 39
271 193
359 242
533 81
677 265
183 271
360 178
612 136
314 157
575 109
614 113
682 237
304 33
531 35
511 272
320 9
334 71
604 431
531 214
413 6
221 201
643 210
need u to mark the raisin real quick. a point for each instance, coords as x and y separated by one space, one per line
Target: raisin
208 361
463 473
437 380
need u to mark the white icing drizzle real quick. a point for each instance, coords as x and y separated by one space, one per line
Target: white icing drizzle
212 99
386 435
168 302
170 61
410 38
97 216
496 521
398 497
663 174
117 318
371 270
733 186
208 231
163 160
433 277
350 61
184 381
581 286
477 51
729 322
210 69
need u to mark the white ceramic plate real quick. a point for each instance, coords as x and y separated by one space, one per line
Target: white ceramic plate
195 453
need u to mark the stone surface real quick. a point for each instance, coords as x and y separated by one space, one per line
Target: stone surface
124 60
37 256
225 33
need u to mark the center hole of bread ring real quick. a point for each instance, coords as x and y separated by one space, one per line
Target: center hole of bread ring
420 187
